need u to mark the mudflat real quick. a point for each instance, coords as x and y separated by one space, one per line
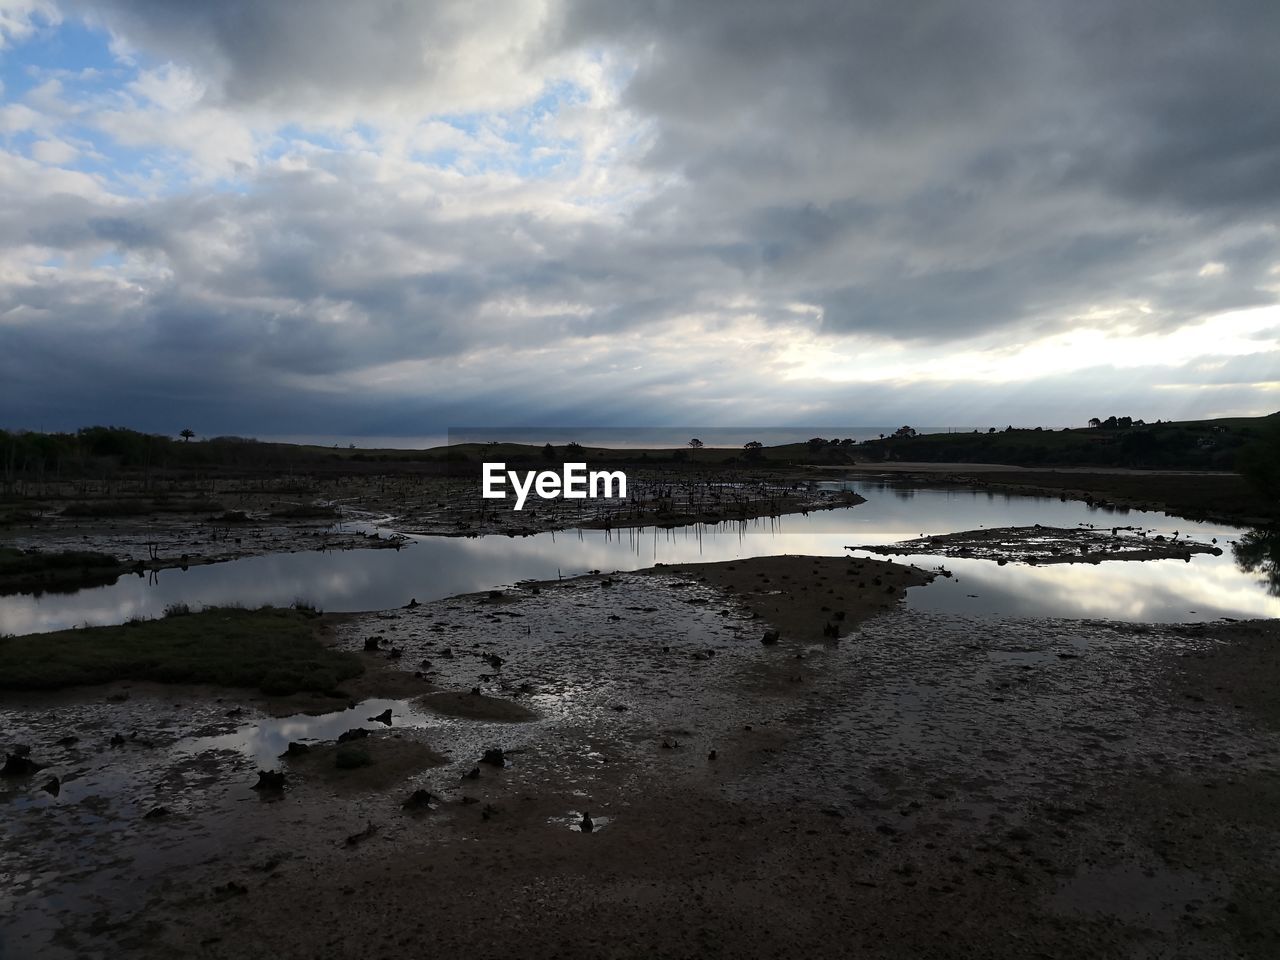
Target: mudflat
918 784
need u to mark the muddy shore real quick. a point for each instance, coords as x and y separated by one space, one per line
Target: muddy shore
917 785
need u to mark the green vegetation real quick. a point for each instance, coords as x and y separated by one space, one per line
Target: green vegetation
106 452
34 571
1259 462
1115 442
274 650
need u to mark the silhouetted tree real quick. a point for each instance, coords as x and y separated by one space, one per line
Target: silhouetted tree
187 434
548 452
1258 551
1259 462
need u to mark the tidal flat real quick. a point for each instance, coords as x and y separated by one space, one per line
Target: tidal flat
780 746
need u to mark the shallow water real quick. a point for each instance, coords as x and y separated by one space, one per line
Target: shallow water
1205 588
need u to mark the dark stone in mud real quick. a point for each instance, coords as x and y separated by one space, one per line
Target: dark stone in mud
488 812
395 654
770 638
156 813
117 740
18 765
412 604
420 800
363 835
587 824
359 733
371 644
295 749
270 780
53 787
494 757
474 774
383 717
830 630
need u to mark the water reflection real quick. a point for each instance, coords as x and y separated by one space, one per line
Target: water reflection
433 567
1258 552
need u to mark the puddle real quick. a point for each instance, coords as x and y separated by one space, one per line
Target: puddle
264 740
573 820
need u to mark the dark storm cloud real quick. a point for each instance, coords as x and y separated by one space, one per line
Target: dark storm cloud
937 169
927 172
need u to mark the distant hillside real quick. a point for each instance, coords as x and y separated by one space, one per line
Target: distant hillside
1174 445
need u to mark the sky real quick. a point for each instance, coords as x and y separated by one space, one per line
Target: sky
318 218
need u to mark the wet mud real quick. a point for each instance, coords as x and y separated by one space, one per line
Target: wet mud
918 784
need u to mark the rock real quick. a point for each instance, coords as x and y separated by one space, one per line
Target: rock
412 604
712 755
830 630
53 787
359 733
370 644
156 813
16 765
474 774
355 838
117 740
270 780
231 889
495 757
420 800
495 594
770 638
295 749
587 824
383 717
488 812
66 741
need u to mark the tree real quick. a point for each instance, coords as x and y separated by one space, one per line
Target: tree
1095 422
816 444
187 434
548 452
754 449
573 449
1259 463
695 443
1258 551
904 432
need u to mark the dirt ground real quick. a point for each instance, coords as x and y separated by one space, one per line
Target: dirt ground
917 785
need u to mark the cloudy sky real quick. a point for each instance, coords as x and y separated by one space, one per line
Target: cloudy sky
319 217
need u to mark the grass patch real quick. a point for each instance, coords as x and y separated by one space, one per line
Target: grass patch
274 650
